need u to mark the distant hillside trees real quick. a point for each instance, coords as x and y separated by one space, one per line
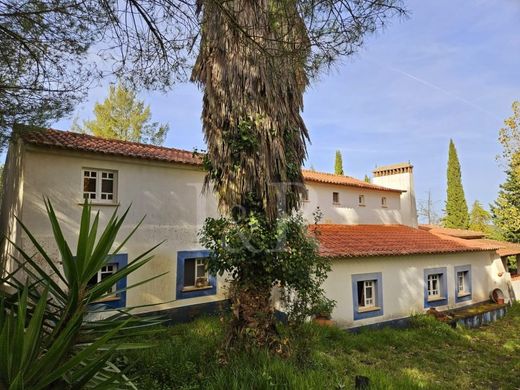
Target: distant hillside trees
456 208
479 218
123 116
506 209
338 164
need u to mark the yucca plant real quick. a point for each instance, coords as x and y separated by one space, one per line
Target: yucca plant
47 337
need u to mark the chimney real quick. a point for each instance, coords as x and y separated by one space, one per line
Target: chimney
400 177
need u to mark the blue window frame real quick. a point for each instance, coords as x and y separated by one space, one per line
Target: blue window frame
114 264
463 283
435 287
367 292
190 268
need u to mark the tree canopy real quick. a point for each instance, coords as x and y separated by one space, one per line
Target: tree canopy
479 218
123 116
53 50
506 209
338 163
456 208
509 135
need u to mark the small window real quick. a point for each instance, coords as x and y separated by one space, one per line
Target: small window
366 293
195 273
193 278
361 200
116 296
462 283
383 201
435 287
99 185
305 195
104 272
434 282
335 197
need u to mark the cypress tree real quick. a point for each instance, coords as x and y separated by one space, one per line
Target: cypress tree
338 166
367 179
506 210
456 207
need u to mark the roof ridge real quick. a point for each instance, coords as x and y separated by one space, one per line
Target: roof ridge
331 174
91 136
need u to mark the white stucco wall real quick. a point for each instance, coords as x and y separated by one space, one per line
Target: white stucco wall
402 181
348 211
169 196
403 282
12 201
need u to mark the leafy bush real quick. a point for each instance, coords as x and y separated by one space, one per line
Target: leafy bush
47 340
260 255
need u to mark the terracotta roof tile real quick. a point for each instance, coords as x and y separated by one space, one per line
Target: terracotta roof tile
504 248
461 233
88 143
387 240
329 178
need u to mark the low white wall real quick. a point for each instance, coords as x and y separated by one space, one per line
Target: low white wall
403 282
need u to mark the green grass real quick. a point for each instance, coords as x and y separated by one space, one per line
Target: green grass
427 355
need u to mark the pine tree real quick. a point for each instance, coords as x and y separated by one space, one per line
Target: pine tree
506 210
456 207
338 165
479 218
122 116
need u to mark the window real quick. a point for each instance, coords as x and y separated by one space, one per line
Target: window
195 273
462 283
366 294
361 200
367 291
383 201
118 297
434 286
99 185
193 278
305 195
103 273
335 197
435 290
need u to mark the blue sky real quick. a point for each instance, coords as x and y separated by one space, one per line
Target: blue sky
450 70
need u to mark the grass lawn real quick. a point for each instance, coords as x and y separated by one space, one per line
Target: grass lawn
427 355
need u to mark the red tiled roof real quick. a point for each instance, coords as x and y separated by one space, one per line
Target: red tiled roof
504 248
88 143
461 233
329 178
387 240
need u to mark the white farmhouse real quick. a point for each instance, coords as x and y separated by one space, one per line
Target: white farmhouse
383 266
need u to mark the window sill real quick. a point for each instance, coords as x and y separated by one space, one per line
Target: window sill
362 205
96 204
436 299
368 309
108 299
463 294
190 289
384 207
336 204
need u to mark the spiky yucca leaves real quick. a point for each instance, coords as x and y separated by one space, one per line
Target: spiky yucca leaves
253 96
46 338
